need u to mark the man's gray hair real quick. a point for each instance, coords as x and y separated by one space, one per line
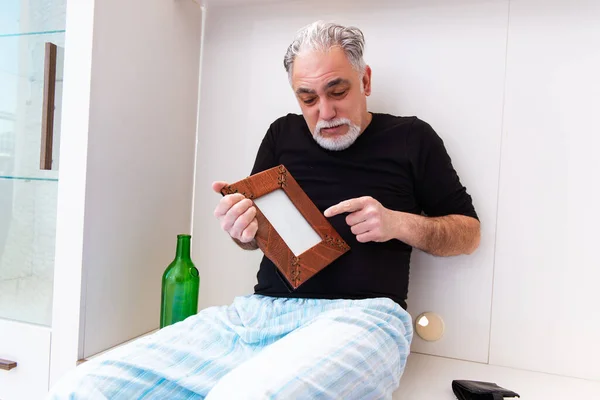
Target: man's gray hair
322 36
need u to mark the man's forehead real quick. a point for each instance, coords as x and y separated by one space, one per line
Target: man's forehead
319 68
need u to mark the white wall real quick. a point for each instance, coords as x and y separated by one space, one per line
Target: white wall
458 66
546 297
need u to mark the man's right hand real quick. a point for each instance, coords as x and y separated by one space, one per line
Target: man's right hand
237 215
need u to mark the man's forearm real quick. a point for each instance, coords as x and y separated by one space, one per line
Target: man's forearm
440 236
252 245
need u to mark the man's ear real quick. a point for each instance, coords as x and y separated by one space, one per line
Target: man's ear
366 81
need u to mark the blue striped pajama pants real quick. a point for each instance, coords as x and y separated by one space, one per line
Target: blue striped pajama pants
257 348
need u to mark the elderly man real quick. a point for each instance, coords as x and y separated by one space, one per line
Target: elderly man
344 334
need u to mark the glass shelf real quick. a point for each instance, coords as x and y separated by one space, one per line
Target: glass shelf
31 33
28 178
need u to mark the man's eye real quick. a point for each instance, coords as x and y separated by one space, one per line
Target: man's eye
338 94
309 101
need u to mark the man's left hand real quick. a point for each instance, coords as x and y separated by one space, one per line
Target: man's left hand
368 219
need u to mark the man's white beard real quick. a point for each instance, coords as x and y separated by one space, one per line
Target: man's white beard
339 142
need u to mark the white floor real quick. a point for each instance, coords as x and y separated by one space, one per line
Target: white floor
430 378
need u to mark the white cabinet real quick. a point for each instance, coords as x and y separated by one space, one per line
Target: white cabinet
28 193
123 190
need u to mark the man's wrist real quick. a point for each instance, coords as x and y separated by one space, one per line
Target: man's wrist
400 220
408 228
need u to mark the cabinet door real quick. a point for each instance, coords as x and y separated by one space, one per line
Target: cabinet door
546 297
31 81
31 41
25 351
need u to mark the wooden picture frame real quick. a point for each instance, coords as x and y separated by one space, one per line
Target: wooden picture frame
296 268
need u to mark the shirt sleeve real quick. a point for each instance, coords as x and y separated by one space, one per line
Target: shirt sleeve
438 189
266 156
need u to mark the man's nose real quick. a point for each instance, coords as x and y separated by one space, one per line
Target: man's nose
326 110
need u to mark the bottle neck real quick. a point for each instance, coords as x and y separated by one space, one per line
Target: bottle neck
183 247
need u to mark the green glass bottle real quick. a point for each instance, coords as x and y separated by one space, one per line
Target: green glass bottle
180 285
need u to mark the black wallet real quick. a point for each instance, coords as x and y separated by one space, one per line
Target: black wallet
474 390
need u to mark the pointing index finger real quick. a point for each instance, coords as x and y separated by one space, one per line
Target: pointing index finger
345 206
